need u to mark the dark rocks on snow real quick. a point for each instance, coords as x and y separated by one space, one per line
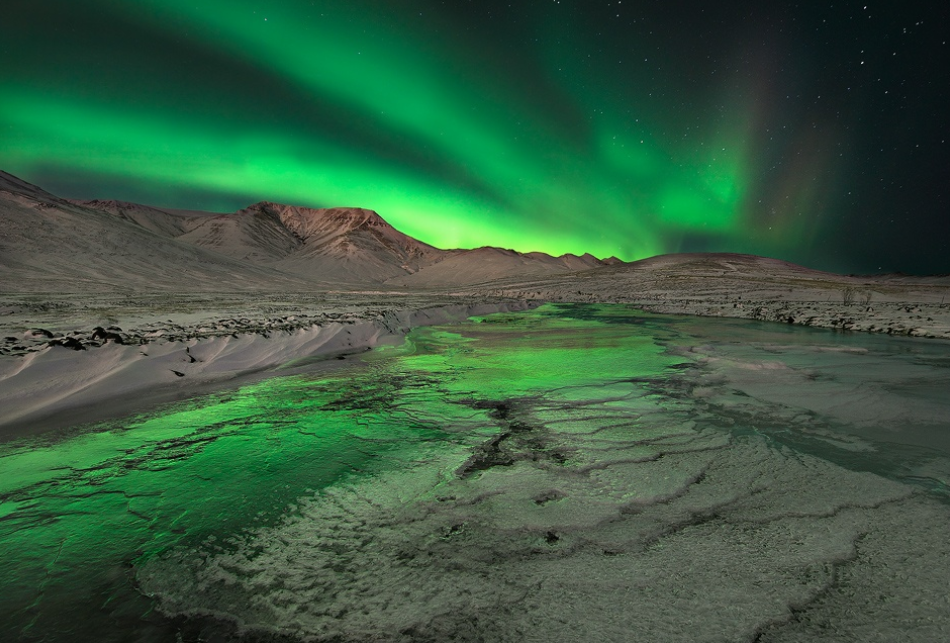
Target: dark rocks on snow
68 342
105 335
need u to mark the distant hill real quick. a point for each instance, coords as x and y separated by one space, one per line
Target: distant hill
49 243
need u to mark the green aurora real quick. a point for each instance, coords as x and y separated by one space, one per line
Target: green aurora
545 128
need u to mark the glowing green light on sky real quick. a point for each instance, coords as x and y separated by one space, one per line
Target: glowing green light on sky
353 104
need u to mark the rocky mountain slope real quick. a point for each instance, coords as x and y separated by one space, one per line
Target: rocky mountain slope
49 244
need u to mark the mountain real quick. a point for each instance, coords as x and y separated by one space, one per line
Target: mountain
16 188
342 246
48 243
51 244
346 246
352 244
486 264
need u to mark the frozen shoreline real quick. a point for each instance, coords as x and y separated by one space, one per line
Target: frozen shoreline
64 357
746 287
891 318
82 376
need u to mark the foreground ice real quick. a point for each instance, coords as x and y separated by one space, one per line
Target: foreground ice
732 502
576 473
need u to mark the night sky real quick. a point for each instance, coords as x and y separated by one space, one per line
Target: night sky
814 132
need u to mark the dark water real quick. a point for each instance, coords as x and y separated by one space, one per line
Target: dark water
569 473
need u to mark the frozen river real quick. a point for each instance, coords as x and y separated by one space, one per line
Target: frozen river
573 473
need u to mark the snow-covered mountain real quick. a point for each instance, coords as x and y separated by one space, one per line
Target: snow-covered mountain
47 242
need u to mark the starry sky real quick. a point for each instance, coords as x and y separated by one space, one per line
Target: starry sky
816 132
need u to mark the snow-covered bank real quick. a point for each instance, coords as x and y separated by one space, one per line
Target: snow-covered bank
59 386
747 287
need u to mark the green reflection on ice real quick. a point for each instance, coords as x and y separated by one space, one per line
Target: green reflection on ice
76 510
534 353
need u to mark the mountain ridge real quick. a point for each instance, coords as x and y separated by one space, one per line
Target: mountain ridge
347 246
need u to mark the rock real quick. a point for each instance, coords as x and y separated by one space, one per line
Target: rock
68 342
106 336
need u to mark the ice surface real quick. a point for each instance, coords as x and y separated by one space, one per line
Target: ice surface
561 475
650 521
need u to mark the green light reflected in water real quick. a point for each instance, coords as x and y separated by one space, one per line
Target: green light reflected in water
76 510
82 514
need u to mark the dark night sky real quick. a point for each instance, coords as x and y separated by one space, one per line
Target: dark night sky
814 132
